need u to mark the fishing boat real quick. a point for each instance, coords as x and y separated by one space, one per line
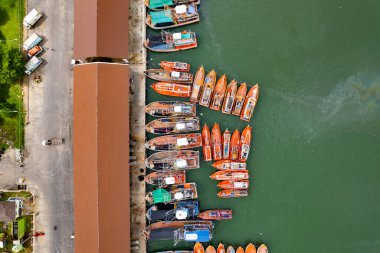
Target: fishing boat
166 177
160 4
164 75
198 248
235 145
220 248
245 143
175 251
171 109
175 142
208 88
219 91
173 17
230 249
171 42
226 140
188 231
216 141
173 160
239 101
172 89
229 99
210 249
250 103
262 249
250 248
234 184
182 210
175 66
230 175
173 125
226 164
206 143
172 193
197 84
240 250
219 214
232 193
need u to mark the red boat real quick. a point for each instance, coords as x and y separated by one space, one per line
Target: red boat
229 165
235 145
206 143
226 139
234 184
239 101
232 193
250 103
172 89
216 140
219 214
229 99
230 175
198 248
219 90
220 248
245 143
175 66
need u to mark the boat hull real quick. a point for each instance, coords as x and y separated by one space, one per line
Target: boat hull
229 99
164 75
250 103
232 194
208 88
171 109
234 184
218 95
175 142
245 143
216 141
197 84
175 66
173 160
229 165
216 215
230 175
166 178
239 100
172 89
173 125
206 143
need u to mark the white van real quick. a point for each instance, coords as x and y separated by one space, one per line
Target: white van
32 18
32 64
32 41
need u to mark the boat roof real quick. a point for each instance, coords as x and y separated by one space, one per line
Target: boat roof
159 17
161 195
159 3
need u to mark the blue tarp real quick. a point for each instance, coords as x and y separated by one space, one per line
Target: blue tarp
160 17
159 3
197 236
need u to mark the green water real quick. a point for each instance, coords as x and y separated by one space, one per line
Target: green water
315 160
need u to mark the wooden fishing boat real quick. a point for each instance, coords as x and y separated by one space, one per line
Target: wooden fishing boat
160 4
173 17
206 143
250 103
230 175
262 249
164 75
230 249
235 145
198 248
219 214
250 248
182 210
172 89
171 108
172 193
173 125
175 66
220 248
208 88
232 193
175 142
216 141
166 177
171 42
240 250
234 184
226 140
227 164
173 160
239 101
219 91
245 143
197 84
175 251
229 99
210 249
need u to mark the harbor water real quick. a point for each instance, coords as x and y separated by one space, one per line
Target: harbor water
314 161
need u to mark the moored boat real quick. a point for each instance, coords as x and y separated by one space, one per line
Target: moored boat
230 175
240 250
206 143
172 89
226 139
229 99
182 210
219 91
160 4
171 108
245 143
166 177
235 145
232 193
210 249
216 141
226 164
175 66
239 100
171 42
173 160
175 142
197 84
164 75
230 249
234 184
262 249
250 103
173 125
250 248
172 193
198 248
208 88
220 214
220 248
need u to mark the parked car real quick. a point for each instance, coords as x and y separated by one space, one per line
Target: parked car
32 18
54 141
35 51
32 64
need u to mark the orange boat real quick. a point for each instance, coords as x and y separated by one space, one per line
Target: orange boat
206 143
218 214
229 99
171 108
230 175
250 103
235 145
220 248
210 249
172 89
234 184
198 248
216 140
240 96
220 89
197 84
175 142
232 193
250 248
245 143
208 88
163 75
175 66
226 139
262 249
240 250
229 165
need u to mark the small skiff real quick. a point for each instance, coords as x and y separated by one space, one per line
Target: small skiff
206 143
226 140
234 184
230 249
171 108
173 160
173 125
219 91
250 248
210 249
235 145
220 248
175 142
219 214
208 88
164 75
171 42
198 248
262 249
226 164
250 103
229 99
232 193
239 101
230 175
245 143
166 177
172 89
157 5
197 84
175 66
216 141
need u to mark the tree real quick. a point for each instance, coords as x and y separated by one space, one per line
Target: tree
11 65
